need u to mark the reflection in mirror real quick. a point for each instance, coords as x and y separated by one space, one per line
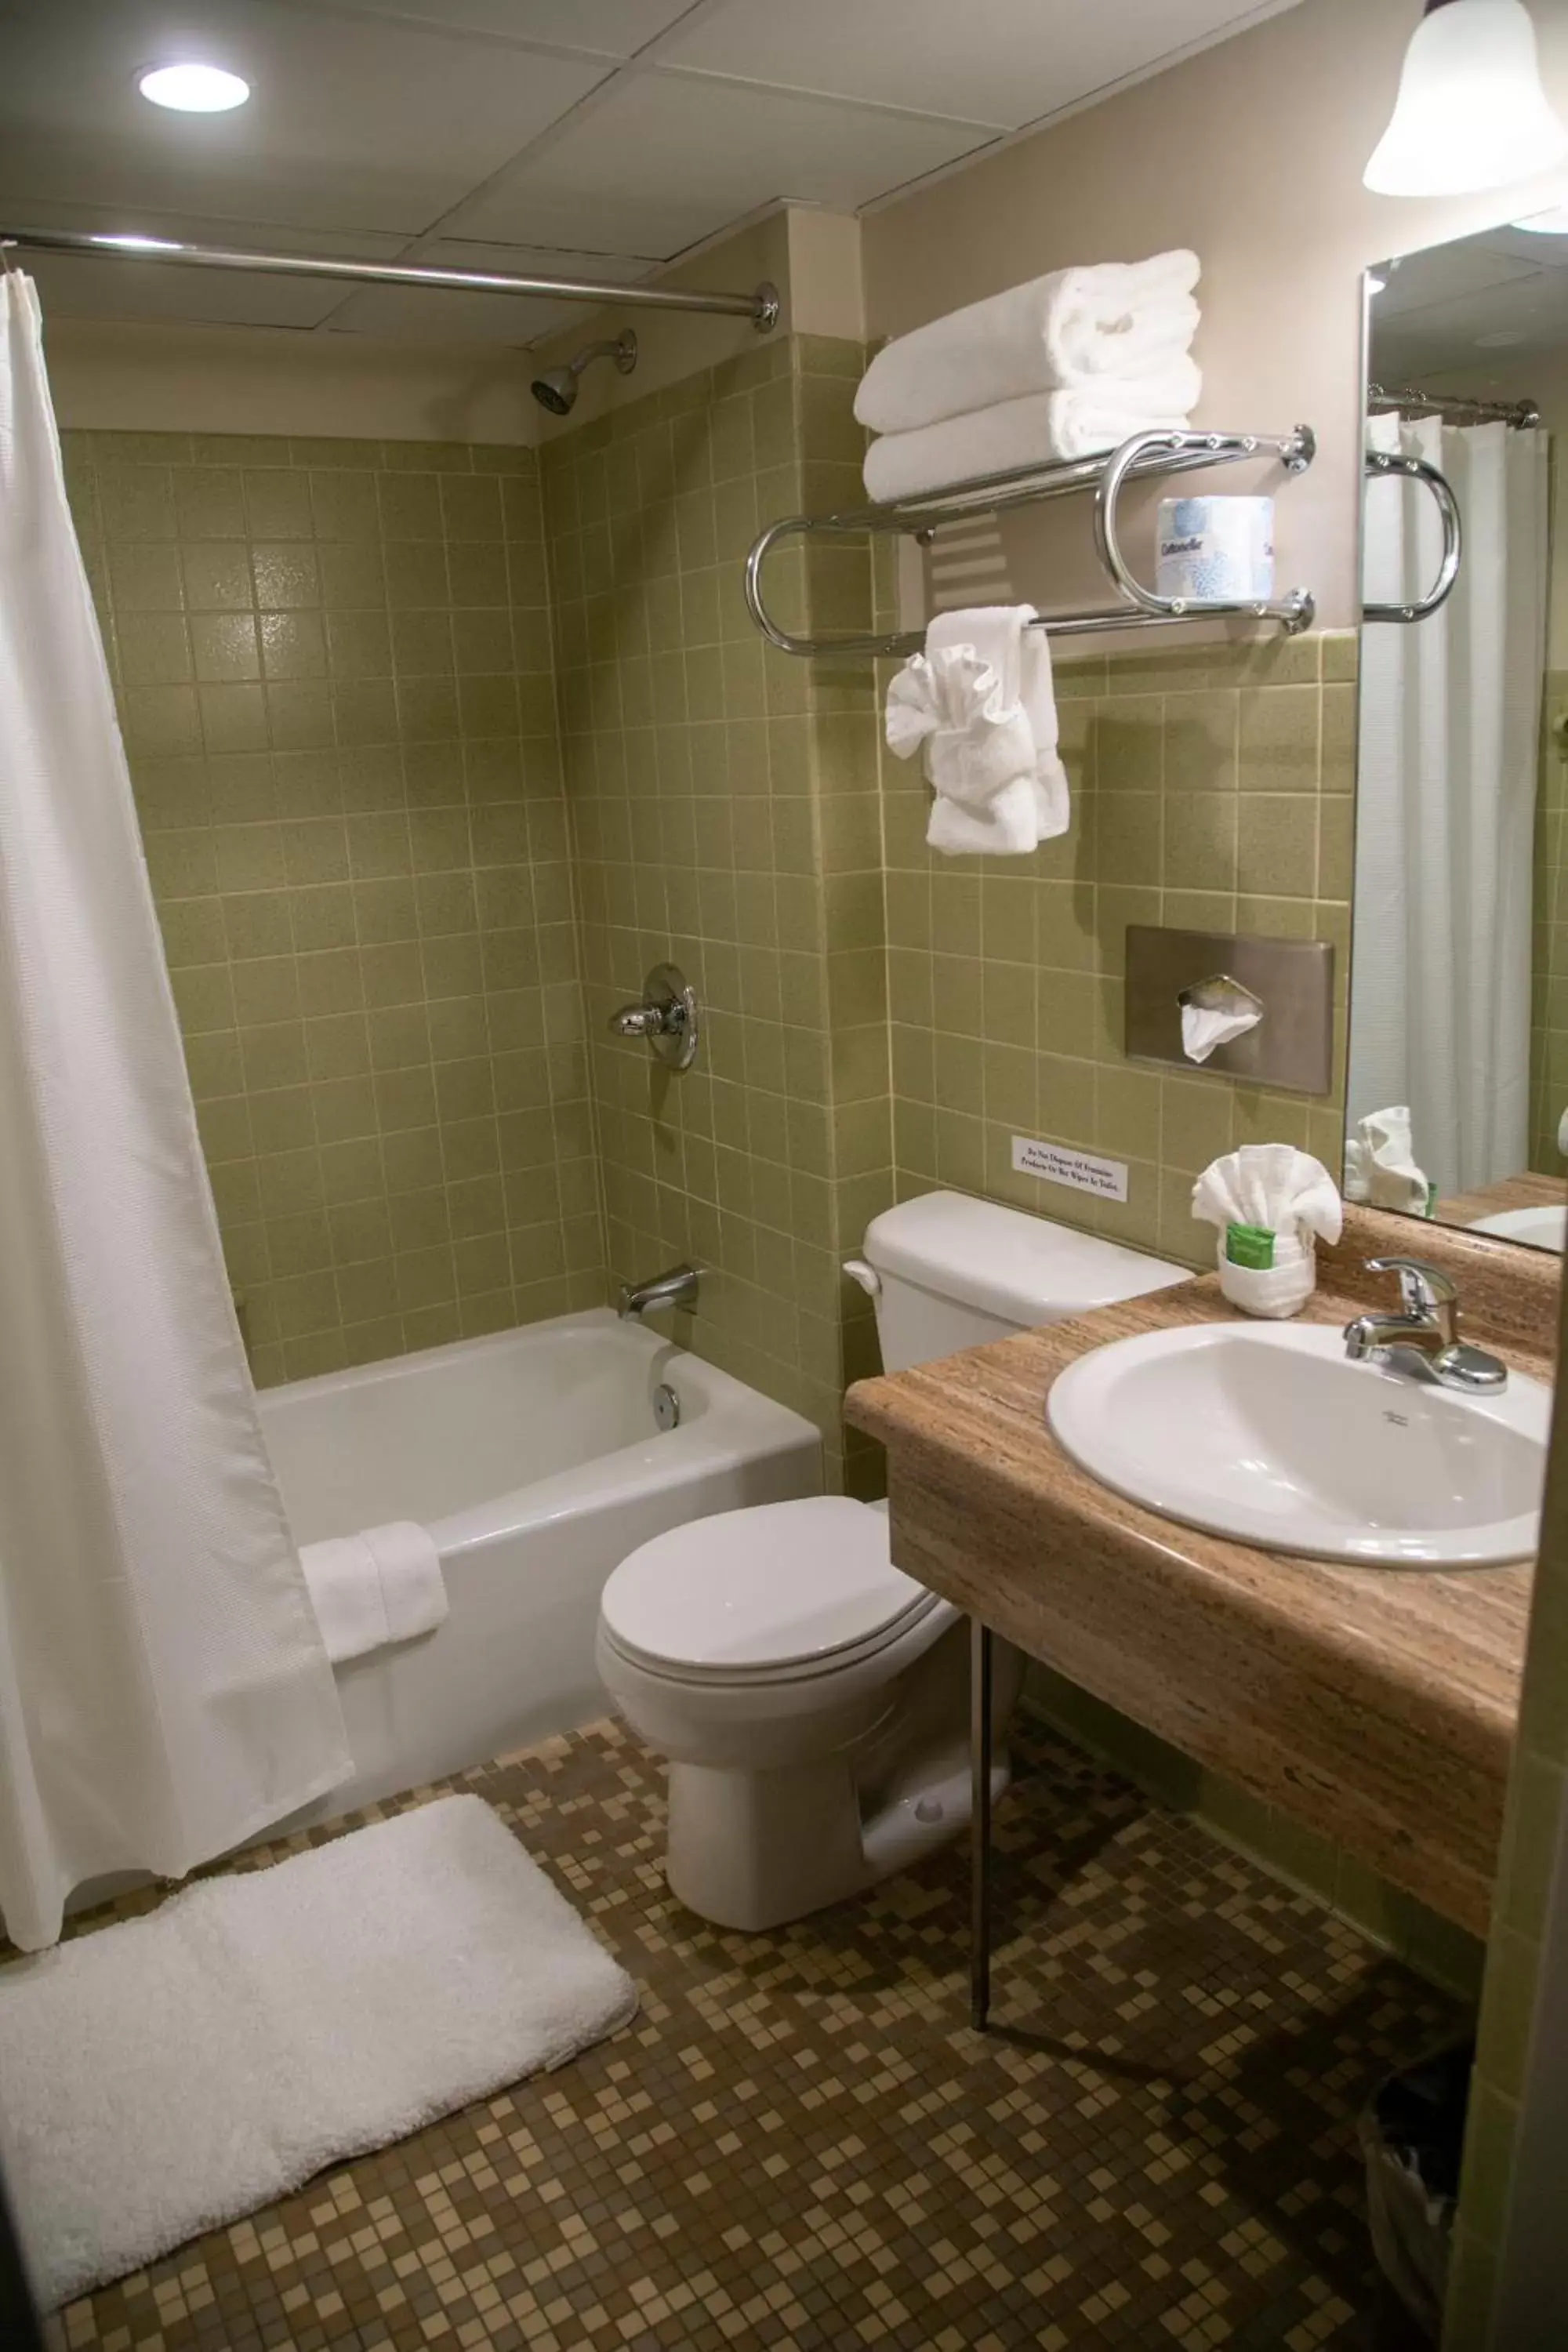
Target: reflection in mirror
1458 1086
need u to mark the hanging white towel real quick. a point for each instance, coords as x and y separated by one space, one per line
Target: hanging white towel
1075 326
978 704
382 1585
1041 427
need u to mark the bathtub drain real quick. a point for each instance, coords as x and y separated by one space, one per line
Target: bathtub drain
665 1407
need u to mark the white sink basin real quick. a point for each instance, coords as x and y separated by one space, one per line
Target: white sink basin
1267 1433
1543 1227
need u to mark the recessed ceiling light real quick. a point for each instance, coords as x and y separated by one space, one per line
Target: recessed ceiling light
195 89
1376 285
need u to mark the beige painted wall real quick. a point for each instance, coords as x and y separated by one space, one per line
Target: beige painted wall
1251 154
112 376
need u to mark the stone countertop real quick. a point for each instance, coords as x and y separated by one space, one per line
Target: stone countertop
1376 1707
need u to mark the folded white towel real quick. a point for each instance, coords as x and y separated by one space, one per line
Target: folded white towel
1041 427
382 1585
1116 319
1272 1185
1381 1167
978 704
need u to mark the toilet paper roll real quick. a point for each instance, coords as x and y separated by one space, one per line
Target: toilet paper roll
1217 551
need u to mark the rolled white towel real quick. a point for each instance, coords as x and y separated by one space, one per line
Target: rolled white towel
1113 318
382 1585
1041 429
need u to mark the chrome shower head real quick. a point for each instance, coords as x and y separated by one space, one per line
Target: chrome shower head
556 389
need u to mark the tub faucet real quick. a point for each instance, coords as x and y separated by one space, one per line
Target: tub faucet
1422 1338
676 1286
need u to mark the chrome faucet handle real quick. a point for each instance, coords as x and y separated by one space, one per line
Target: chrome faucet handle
1424 1290
638 1021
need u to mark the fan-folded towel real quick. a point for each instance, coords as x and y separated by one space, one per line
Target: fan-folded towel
1114 319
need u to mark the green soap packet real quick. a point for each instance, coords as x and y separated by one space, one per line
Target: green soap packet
1249 1245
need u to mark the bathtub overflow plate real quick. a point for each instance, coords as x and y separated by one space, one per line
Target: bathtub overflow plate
665 1407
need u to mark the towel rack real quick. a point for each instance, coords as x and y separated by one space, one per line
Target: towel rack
1382 462
1160 452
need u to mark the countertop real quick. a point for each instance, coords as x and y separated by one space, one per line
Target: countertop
1377 1706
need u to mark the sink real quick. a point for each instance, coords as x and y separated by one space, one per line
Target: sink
1267 1433
1543 1226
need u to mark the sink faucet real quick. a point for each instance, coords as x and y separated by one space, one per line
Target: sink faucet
1422 1340
676 1286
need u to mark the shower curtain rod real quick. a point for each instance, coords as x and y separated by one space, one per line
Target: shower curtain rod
1519 413
761 306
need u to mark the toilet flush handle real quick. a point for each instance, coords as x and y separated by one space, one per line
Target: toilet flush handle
869 1280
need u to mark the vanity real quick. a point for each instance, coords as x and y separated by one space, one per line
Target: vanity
1376 1705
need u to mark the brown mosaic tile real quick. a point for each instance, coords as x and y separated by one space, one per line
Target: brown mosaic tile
799 2142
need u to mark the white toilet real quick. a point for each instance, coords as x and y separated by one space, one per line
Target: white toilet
811 1699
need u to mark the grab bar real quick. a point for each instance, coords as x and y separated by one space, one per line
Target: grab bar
1383 462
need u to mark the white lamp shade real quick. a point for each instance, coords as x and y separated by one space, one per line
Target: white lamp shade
1471 112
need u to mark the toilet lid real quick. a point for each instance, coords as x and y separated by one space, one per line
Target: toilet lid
780 1584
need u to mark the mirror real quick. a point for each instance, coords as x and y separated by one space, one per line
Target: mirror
1457 1096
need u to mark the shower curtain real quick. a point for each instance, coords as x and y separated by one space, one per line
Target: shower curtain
1450 720
164 1692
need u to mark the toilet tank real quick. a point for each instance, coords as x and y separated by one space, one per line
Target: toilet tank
948 1272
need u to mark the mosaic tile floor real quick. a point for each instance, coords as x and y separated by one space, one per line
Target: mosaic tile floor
800 2143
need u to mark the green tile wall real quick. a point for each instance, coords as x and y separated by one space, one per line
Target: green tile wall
333 666
1212 790
1549 931
725 813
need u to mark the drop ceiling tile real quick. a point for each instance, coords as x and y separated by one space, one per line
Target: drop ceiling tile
666 159
351 125
1000 61
445 315
609 28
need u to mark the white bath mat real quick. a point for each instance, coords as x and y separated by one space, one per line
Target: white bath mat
170 2073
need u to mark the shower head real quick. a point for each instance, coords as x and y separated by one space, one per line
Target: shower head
556 389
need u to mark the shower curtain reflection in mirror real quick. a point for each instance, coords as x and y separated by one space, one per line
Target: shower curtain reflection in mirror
1449 749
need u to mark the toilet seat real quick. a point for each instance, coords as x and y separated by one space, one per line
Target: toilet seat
778 1592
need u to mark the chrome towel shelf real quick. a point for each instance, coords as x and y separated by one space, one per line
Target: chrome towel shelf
1163 452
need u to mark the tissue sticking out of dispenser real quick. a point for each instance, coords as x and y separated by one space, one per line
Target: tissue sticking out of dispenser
1214 1010
1288 1043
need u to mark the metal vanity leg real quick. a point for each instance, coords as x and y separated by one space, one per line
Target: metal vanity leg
979 1823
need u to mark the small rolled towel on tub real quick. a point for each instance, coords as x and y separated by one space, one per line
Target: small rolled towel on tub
383 1585
1113 318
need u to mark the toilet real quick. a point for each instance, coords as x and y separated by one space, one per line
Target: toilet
813 1700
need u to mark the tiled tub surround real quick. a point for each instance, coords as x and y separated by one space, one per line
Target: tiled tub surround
725 813
333 666
1211 791
1371 1707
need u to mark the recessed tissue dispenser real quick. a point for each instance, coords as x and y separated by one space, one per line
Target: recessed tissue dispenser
1290 1043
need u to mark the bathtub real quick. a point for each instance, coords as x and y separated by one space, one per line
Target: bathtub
535 1460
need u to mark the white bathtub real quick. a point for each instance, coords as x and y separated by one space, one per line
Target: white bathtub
534 1460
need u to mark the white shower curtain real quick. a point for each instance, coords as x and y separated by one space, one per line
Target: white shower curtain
1450 718
164 1688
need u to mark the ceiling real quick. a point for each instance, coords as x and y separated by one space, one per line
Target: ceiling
590 138
1478 303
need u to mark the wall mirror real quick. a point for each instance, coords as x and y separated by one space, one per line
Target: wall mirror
1457 1084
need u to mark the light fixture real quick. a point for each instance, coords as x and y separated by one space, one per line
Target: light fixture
193 89
1376 285
1471 112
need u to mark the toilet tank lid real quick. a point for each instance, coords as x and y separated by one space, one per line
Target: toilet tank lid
1023 1269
